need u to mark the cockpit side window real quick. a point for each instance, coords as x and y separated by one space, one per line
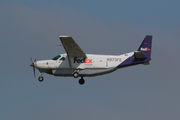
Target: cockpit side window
56 57
63 59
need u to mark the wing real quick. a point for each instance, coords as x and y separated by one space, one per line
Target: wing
71 47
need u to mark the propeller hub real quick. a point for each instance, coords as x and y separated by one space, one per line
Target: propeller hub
33 64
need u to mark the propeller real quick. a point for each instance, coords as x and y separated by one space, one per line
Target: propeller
32 65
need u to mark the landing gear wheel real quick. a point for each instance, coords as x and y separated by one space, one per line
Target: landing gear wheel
40 79
81 81
75 74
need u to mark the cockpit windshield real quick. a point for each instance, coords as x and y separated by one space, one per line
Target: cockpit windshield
56 57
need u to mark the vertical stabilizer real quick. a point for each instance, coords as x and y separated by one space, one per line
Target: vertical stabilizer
145 46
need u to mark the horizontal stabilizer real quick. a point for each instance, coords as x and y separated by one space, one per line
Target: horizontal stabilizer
139 55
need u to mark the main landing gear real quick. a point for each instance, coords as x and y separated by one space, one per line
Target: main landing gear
81 81
76 75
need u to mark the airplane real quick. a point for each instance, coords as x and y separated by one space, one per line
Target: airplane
75 63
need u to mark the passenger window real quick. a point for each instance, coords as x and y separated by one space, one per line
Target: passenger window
63 59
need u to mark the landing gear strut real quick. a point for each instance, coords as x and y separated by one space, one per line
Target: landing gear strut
81 81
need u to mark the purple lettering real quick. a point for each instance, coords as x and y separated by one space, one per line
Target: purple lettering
79 60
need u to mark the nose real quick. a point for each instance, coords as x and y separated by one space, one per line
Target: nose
36 63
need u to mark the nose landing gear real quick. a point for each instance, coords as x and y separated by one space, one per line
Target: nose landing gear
40 77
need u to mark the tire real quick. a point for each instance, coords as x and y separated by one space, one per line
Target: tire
40 79
81 81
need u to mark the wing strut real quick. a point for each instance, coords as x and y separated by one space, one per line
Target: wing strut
69 60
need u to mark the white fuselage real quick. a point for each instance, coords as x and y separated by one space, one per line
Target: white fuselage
92 65
78 64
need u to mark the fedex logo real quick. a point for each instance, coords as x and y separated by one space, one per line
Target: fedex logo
88 60
83 60
145 49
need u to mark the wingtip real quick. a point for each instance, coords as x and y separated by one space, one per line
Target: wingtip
63 36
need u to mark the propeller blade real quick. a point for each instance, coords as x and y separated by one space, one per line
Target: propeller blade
34 72
31 60
32 65
34 69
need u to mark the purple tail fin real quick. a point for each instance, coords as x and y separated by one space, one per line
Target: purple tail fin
142 56
145 47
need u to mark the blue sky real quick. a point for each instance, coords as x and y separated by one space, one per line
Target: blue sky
31 29
138 13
